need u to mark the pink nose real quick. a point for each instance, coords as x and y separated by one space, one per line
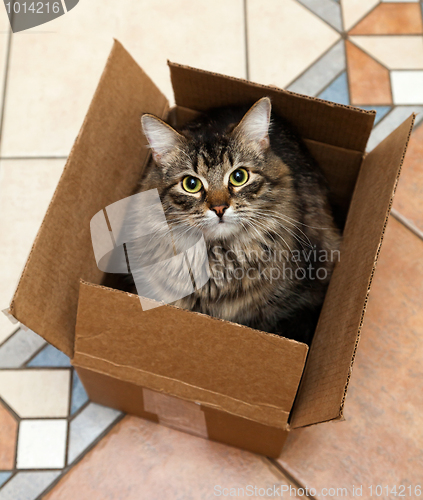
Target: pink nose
219 210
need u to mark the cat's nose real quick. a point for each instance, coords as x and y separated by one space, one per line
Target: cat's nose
219 210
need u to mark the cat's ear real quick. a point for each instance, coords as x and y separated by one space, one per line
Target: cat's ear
254 127
161 136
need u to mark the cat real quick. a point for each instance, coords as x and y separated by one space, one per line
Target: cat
243 177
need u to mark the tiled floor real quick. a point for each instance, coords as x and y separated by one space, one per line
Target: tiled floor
368 53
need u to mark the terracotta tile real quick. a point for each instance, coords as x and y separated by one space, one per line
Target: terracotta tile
8 433
369 80
381 441
276 29
409 196
391 19
143 460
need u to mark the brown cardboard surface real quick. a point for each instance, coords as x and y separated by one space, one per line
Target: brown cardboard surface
315 119
189 355
325 382
222 427
103 167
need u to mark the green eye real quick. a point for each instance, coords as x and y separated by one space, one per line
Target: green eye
191 184
238 177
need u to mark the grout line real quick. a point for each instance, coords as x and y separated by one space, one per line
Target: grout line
5 80
69 414
290 479
330 83
10 410
362 18
69 467
247 57
313 63
10 336
32 357
407 223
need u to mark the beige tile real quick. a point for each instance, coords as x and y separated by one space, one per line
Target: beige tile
395 52
354 10
284 38
36 393
44 112
4 37
26 188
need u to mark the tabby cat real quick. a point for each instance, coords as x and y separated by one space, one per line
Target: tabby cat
244 178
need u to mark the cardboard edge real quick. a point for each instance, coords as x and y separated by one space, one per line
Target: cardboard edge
363 312
284 426
83 282
268 87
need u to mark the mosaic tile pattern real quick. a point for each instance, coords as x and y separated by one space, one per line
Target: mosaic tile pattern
367 53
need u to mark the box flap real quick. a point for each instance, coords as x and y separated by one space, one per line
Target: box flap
103 167
322 121
189 355
325 381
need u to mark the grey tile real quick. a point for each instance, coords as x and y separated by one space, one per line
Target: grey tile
27 485
79 396
322 72
328 10
50 356
87 426
391 122
4 476
19 348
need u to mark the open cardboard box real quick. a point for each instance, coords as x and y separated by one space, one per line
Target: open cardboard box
206 376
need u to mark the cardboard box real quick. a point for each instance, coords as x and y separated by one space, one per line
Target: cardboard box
206 376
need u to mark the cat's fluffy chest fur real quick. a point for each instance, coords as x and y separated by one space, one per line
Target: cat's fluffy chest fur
252 189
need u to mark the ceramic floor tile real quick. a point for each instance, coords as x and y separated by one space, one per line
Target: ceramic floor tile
409 195
381 441
391 19
48 108
369 81
87 426
79 395
27 485
407 87
400 1
8 433
19 348
337 90
354 10
36 393
41 444
328 10
26 188
276 29
4 37
142 460
381 111
394 52
322 72
50 356
4 476
391 122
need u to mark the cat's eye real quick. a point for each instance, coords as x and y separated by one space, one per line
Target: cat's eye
238 177
191 184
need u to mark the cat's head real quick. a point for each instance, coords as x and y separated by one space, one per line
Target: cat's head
224 182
